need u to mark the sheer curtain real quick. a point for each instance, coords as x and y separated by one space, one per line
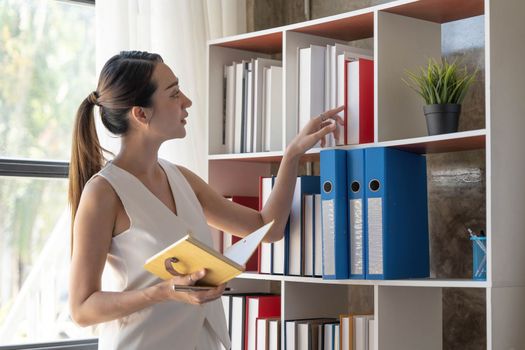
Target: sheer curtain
178 31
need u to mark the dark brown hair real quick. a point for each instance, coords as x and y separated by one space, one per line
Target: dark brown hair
125 81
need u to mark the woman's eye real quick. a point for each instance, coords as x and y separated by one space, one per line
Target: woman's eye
176 95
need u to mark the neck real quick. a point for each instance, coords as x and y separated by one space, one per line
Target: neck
139 156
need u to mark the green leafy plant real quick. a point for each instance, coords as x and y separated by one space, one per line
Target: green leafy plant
441 82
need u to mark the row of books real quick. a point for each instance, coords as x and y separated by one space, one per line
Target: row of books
349 332
254 323
287 256
300 249
268 334
328 77
252 107
337 75
365 217
243 312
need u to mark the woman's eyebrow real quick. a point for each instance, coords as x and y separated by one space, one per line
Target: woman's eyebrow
175 83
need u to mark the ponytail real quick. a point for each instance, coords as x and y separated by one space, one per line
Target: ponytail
86 154
125 81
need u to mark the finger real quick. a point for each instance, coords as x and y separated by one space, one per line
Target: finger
324 131
330 113
339 119
210 296
215 292
204 296
336 110
337 133
193 299
201 297
192 278
219 289
325 123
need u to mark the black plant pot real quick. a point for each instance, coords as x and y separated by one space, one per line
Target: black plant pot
442 118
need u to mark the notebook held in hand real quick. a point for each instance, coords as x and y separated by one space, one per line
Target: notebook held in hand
189 255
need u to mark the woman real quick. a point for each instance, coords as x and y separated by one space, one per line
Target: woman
130 208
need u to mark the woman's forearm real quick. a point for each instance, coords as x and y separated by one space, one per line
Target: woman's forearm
280 201
107 306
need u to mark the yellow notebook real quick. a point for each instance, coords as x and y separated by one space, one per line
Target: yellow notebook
193 255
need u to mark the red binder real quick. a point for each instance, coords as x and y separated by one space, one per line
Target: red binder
366 100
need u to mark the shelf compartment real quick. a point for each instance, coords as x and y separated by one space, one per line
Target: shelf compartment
399 109
324 301
218 57
439 11
421 312
425 312
293 41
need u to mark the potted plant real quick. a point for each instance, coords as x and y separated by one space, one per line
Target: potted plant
443 86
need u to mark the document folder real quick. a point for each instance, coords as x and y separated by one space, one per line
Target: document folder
356 212
397 219
334 214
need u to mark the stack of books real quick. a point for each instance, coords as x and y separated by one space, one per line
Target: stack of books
336 75
252 120
349 332
253 319
288 256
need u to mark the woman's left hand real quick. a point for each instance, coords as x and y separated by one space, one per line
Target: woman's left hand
315 131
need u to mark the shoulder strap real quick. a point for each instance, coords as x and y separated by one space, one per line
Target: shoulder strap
183 186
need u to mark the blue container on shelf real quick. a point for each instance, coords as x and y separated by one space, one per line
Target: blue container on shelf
479 258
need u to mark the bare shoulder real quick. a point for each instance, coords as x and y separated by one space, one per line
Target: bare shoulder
98 197
93 231
198 185
190 176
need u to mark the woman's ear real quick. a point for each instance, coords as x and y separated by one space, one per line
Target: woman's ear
141 115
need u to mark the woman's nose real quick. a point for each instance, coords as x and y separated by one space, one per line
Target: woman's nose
188 102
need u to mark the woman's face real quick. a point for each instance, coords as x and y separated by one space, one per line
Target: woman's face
168 114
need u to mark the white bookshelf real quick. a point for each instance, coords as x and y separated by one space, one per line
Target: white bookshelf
405 34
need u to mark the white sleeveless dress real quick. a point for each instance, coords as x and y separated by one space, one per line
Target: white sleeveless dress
167 325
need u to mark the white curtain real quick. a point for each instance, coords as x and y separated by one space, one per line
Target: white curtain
177 30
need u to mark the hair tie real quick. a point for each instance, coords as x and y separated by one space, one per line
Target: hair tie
93 98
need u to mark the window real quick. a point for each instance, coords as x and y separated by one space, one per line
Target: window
47 67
